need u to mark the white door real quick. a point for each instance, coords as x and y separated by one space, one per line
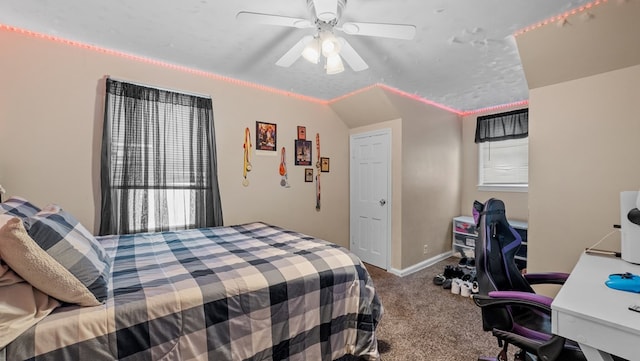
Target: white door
370 196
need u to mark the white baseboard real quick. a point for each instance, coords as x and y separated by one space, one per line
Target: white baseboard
421 265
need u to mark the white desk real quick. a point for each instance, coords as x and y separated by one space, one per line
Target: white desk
596 316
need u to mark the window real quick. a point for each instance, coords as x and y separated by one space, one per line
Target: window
504 163
158 161
503 151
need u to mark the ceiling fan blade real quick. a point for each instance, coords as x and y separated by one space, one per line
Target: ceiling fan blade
393 31
326 10
268 19
294 53
351 56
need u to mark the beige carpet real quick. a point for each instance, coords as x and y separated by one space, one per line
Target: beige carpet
422 321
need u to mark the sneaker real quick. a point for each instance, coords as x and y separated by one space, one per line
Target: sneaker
448 271
447 284
455 286
471 264
465 289
438 280
474 287
470 275
457 272
451 271
463 262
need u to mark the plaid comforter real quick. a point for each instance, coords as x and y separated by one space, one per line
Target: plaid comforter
249 292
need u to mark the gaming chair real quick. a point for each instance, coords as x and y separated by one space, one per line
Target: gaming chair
511 309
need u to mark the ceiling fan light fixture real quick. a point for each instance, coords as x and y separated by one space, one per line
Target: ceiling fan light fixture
312 51
329 44
334 64
323 47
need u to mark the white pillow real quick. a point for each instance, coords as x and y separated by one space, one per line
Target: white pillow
22 305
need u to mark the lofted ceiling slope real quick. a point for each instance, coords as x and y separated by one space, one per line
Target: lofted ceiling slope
586 44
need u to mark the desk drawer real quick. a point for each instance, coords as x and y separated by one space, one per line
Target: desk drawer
599 335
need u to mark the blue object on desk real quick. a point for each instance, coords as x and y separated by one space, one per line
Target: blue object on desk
624 282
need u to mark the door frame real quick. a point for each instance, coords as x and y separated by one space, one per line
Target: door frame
388 132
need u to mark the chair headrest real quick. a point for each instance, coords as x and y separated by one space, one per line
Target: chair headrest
492 207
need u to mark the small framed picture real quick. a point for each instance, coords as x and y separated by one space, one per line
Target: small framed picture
302 152
302 133
308 174
324 164
266 136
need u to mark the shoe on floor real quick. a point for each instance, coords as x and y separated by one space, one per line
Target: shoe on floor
456 285
465 289
471 264
448 271
457 272
463 262
474 287
438 280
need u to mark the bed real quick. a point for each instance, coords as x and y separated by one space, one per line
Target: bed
245 292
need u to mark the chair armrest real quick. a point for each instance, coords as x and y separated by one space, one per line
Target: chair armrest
514 298
550 349
554 278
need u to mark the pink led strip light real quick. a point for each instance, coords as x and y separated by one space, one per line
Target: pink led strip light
561 17
160 63
205 74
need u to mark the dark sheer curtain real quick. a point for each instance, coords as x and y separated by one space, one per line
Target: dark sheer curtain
158 166
502 126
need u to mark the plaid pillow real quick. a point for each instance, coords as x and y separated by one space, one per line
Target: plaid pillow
19 207
35 266
73 246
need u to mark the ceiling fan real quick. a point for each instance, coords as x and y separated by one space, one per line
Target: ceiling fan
325 17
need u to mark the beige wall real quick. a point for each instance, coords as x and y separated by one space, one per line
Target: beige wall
431 155
583 151
584 81
516 203
51 102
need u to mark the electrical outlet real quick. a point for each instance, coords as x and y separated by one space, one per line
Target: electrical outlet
426 249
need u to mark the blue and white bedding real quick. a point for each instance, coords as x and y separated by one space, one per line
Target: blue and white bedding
248 292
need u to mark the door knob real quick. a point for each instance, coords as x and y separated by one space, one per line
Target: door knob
382 202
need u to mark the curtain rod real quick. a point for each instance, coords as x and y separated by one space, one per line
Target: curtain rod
160 88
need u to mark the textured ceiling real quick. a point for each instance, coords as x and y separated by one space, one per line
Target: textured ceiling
464 55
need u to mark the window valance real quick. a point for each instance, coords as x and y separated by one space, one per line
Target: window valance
502 126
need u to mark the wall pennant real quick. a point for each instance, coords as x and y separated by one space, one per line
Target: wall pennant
247 156
283 169
318 174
